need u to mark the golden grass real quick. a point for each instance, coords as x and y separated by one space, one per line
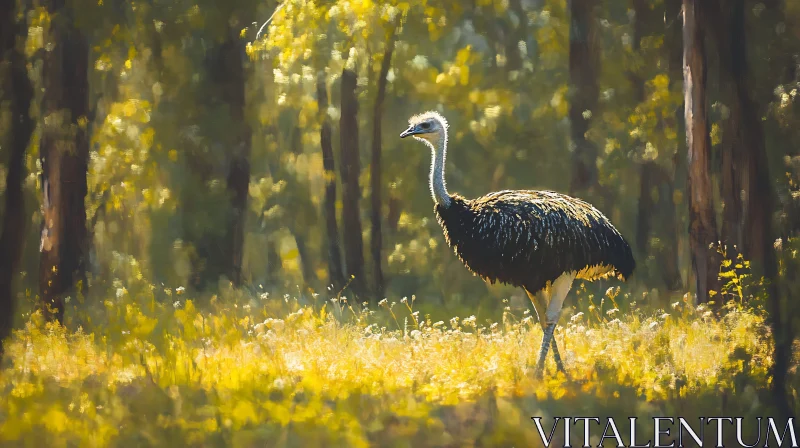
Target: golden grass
175 376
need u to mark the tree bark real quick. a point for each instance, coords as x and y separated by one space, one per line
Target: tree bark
645 204
653 176
20 94
221 254
232 86
350 170
376 179
746 182
584 63
335 271
702 222
306 265
64 150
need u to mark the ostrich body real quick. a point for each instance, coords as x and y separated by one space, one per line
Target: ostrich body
538 240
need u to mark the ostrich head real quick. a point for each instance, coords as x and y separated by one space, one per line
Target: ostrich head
429 126
431 129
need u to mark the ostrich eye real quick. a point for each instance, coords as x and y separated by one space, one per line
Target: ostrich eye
426 125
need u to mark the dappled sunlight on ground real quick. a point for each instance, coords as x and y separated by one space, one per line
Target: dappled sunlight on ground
309 376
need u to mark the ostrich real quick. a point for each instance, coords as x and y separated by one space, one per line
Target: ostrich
538 240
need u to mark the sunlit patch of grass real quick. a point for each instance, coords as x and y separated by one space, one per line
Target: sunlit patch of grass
253 370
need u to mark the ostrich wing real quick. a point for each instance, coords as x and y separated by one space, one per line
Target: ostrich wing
528 238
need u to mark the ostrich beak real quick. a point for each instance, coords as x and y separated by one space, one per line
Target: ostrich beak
407 132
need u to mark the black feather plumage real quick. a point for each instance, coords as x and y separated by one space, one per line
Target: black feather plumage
529 238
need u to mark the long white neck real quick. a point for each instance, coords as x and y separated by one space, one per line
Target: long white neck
438 145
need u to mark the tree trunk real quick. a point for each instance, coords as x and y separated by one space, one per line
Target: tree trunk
702 222
645 207
64 150
393 214
12 235
306 265
646 204
584 62
350 170
221 254
376 242
746 182
667 226
232 80
335 272
653 176
674 40
748 185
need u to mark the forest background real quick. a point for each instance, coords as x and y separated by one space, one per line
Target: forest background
154 151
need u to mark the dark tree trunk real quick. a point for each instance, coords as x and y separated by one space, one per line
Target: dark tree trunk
516 35
273 264
746 183
376 179
231 81
667 227
653 177
584 62
304 216
671 221
702 222
393 214
64 150
20 94
306 266
350 169
646 205
335 271
222 254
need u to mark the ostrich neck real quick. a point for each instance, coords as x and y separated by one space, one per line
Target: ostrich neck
439 154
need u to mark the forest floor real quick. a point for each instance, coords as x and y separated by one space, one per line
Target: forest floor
259 374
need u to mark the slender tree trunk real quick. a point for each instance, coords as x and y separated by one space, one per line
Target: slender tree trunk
20 94
350 169
516 35
335 271
232 84
376 179
674 40
646 204
64 150
304 216
273 263
645 207
306 266
222 254
393 214
702 222
654 216
584 63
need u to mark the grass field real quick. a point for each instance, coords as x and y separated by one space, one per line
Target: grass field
256 371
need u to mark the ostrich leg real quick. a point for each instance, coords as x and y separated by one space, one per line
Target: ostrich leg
539 302
558 292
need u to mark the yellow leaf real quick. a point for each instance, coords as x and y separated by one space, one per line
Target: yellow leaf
55 420
243 413
291 255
